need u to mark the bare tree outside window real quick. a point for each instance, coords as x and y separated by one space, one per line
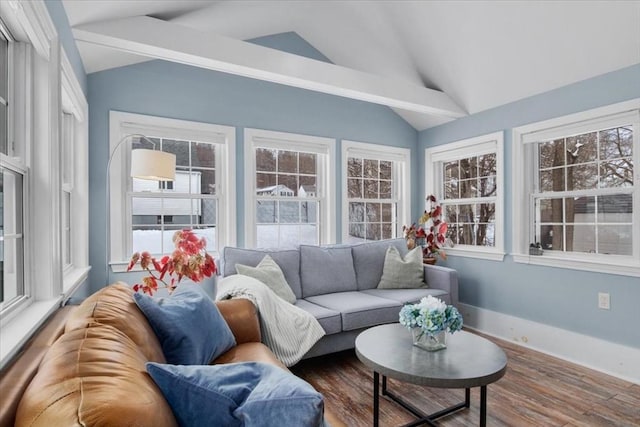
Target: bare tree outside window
372 203
469 205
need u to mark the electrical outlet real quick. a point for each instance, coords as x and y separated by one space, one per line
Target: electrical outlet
604 302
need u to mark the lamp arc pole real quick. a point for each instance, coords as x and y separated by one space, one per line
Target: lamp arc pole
159 169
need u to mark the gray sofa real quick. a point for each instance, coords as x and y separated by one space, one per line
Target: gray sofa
337 284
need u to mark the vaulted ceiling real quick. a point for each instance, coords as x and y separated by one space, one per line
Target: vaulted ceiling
432 61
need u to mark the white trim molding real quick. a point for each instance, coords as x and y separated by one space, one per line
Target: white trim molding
470 147
608 357
524 162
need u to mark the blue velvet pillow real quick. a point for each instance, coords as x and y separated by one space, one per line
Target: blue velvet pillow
238 394
188 324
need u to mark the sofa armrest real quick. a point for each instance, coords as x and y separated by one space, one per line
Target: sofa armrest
443 278
242 317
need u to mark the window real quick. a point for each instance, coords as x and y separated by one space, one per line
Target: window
376 189
581 189
202 197
12 177
465 176
67 145
288 189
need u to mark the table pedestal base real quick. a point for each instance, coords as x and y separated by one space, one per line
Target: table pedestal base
427 419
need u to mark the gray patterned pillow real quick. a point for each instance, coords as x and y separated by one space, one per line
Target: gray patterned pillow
398 273
269 273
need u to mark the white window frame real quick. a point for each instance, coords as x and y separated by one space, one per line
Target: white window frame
324 147
38 74
123 124
524 160
401 170
479 145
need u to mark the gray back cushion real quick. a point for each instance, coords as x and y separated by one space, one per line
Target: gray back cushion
368 260
287 260
328 269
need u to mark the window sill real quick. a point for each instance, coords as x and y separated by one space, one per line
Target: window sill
23 325
73 278
602 264
480 253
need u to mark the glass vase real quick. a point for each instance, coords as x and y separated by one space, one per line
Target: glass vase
429 341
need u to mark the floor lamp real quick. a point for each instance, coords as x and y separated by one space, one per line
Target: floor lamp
148 164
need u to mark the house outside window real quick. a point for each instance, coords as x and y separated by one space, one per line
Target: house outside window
376 191
581 189
288 180
200 198
466 178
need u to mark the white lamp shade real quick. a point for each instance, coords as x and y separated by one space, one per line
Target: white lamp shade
152 164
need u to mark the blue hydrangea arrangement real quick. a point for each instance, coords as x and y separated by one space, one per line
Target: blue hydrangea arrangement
431 315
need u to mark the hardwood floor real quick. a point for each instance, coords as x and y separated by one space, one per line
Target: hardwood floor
537 390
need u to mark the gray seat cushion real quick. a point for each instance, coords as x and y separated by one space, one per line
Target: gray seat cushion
411 296
368 260
327 269
330 320
358 309
287 260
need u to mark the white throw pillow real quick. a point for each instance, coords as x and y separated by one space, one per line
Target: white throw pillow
398 273
269 273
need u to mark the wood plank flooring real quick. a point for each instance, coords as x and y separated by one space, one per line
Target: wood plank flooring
537 390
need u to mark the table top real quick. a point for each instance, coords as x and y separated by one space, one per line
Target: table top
468 361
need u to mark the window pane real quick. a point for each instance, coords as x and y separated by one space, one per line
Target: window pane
616 173
12 241
203 155
581 238
308 235
488 187
265 183
266 159
180 149
309 212
615 239
287 185
287 161
266 212
582 177
356 232
354 167
387 212
385 169
552 180
387 231
487 165
371 168
374 231
468 188
551 154
615 209
210 235
582 148
451 171
373 212
552 237
385 189
207 182
468 168
371 189
356 212
581 210
354 188
616 143
289 212
308 187
451 190
308 163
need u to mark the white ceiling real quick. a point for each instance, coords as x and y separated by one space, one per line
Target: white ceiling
481 54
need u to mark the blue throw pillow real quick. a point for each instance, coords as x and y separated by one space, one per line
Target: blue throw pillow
188 324
238 394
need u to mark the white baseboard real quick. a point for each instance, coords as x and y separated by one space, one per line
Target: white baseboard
610 358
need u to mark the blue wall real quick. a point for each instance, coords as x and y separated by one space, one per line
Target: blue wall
559 297
59 17
173 90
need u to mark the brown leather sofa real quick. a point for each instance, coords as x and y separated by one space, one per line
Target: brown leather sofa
86 367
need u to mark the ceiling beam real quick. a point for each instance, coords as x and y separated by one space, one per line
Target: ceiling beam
159 39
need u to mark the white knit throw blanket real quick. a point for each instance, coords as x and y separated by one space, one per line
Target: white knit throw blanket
287 330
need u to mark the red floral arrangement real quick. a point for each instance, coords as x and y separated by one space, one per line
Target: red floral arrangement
432 232
189 259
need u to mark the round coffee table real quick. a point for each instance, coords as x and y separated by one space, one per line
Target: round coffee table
468 361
